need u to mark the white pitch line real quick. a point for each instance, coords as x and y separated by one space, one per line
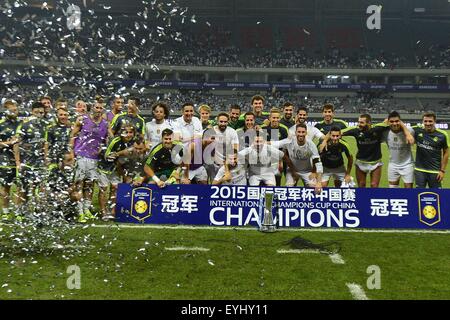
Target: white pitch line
186 249
357 291
336 258
235 228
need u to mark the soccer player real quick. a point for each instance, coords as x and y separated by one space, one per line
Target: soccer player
302 117
81 108
116 108
187 128
368 158
303 160
288 111
8 128
49 114
432 152
257 109
131 166
88 135
235 113
218 142
329 120
401 162
333 161
164 161
276 132
231 173
107 171
247 133
31 151
154 128
260 159
130 117
205 112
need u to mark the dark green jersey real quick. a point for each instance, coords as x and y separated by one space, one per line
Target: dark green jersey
8 129
123 119
160 158
332 156
368 142
239 123
58 138
107 164
325 127
429 149
259 120
276 134
287 123
32 134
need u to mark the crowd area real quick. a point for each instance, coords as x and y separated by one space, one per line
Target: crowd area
61 150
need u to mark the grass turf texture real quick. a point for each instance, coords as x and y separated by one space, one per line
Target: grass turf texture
241 264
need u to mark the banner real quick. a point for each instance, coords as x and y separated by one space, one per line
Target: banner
293 206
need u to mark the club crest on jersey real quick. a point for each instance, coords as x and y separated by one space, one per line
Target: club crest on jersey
141 203
429 208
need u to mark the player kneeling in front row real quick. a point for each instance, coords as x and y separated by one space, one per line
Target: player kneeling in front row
231 172
164 163
333 161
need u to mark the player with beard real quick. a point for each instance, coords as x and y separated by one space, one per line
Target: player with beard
302 117
231 173
401 162
161 167
235 113
333 161
131 165
260 159
219 142
303 161
49 111
288 111
432 153
368 158
8 128
154 128
31 152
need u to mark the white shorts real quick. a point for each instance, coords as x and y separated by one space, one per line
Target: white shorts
105 179
199 174
268 178
305 176
336 173
396 172
367 167
86 169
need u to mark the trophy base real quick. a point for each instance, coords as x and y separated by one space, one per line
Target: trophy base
268 228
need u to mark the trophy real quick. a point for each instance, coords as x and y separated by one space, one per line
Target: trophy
266 205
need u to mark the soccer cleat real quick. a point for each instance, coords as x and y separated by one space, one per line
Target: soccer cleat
88 214
108 217
5 217
82 218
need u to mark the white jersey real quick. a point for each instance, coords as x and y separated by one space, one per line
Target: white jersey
261 162
311 132
223 142
400 153
187 131
153 131
302 156
238 175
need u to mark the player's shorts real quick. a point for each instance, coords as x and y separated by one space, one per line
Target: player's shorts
335 173
105 179
396 172
198 174
268 178
7 176
367 167
86 169
304 176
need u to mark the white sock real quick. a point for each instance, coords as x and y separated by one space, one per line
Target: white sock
80 206
5 210
394 186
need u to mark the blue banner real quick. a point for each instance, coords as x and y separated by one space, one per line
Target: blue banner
294 206
282 86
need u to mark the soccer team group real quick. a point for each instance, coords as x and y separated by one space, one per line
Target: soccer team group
60 155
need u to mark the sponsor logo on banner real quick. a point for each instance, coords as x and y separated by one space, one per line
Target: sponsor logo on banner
429 208
141 203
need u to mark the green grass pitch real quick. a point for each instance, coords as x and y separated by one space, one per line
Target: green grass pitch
134 263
